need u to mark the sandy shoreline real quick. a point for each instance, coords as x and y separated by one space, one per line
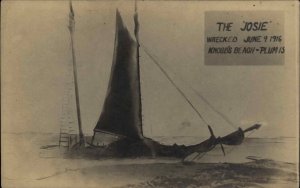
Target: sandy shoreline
26 165
260 173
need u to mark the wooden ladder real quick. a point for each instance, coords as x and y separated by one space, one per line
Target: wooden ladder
66 128
64 138
64 133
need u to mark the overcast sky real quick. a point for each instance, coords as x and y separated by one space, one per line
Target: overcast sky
36 53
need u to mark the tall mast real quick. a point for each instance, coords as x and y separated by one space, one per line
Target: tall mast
136 33
72 29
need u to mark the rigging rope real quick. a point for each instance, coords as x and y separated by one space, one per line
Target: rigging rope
226 119
199 155
173 83
214 109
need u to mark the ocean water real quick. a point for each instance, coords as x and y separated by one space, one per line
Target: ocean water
25 163
283 149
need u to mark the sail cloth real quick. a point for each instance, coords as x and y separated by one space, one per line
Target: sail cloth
121 110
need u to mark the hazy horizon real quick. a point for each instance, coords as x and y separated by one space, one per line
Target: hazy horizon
36 53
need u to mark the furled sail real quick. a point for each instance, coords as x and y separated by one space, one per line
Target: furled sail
121 110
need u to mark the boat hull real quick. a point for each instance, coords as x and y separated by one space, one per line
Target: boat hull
146 147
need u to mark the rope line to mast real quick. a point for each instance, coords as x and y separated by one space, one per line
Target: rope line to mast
214 109
225 118
173 83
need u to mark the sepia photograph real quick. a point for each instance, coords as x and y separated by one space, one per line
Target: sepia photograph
139 94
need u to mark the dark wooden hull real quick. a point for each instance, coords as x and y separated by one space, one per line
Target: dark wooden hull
147 147
235 138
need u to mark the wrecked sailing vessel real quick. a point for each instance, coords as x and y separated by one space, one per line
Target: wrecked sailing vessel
121 115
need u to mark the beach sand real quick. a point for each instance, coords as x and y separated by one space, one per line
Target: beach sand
24 164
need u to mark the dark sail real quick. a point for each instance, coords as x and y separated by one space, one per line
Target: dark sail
121 111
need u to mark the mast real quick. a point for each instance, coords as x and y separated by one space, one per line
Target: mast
136 33
121 111
72 29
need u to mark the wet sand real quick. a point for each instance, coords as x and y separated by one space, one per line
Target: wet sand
26 165
261 173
